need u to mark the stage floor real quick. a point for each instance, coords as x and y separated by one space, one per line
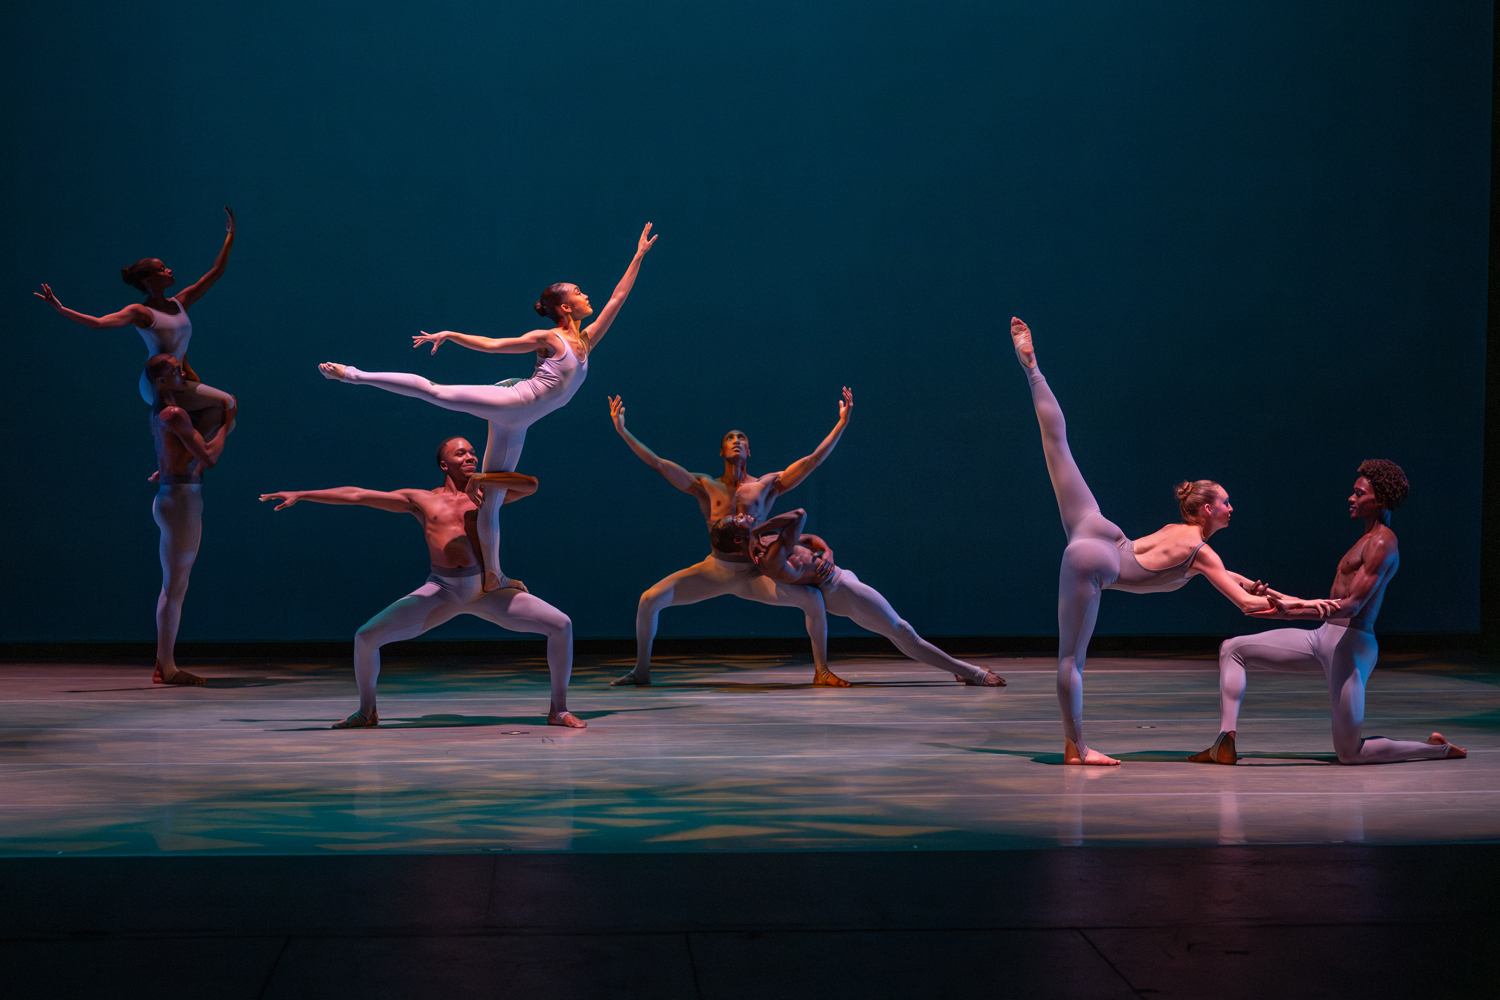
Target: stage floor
722 754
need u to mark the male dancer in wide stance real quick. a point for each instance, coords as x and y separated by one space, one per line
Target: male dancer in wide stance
448 518
181 457
731 572
1343 646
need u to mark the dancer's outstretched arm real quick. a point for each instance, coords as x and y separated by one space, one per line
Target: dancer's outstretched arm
596 330
192 293
524 344
673 473
803 467
395 501
1250 596
515 484
134 314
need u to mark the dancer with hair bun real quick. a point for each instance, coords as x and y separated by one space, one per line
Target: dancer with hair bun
562 361
163 323
1099 557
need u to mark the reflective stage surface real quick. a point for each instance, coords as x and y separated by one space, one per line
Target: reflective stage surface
724 754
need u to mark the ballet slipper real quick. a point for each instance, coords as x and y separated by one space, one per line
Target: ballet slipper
990 680
1454 753
566 719
359 721
1020 338
1222 752
631 680
824 677
1092 757
180 677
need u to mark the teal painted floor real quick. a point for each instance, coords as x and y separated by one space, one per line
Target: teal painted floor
726 754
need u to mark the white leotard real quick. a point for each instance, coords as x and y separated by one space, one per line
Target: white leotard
167 334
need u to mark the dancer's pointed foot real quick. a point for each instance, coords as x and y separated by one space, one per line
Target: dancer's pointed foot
158 676
566 719
1222 752
359 721
1070 755
1438 739
332 370
827 678
990 680
631 679
1020 337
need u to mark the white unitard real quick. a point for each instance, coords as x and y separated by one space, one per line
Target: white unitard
510 407
447 594
178 510
846 595
1347 654
170 333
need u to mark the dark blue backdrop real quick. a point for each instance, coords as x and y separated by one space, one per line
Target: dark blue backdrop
1252 242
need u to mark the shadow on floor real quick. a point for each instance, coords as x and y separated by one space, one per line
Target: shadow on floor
1154 756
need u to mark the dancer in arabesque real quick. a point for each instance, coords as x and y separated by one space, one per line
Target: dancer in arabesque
1100 557
562 357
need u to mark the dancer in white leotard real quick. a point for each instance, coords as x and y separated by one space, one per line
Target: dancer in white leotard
784 554
164 325
562 357
1100 557
452 588
1344 646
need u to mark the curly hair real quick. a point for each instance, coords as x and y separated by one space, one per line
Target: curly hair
1386 479
1193 496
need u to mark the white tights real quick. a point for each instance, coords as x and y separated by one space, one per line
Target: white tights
178 510
1347 657
443 597
849 597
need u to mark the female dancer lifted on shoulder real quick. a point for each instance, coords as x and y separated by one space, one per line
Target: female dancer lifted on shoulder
1099 557
562 363
163 323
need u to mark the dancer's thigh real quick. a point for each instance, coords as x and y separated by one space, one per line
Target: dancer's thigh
764 590
517 611
698 582
1278 649
424 608
1096 526
861 602
502 449
198 396
178 511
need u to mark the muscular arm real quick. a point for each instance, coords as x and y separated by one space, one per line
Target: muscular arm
596 330
397 502
673 473
131 315
802 468
774 560
176 420
524 344
1228 583
192 293
1375 564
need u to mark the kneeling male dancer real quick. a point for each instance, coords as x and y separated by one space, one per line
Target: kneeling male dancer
182 455
731 572
786 555
1343 646
448 518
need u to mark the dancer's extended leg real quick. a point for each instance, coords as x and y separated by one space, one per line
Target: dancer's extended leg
1348 658
178 510
1280 648
522 612
431 604
869 609
699 582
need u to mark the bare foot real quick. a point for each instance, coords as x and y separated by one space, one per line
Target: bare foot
827 678
359 721
499 581
566 719
1438 739
631 680
159 676
991 680
331 370
1070 755
1020 336
1222 752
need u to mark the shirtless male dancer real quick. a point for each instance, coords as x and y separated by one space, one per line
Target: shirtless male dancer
786 555
452 589
1343 646
181 457
731 572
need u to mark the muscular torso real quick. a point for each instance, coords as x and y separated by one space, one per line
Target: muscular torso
1354 562
172 456
448 522
752 495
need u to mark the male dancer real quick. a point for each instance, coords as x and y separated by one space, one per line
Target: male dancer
181 457
731 572
448 518
1344 645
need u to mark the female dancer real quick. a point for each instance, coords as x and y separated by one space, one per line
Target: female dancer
1099 557
164 325
806 560
562 362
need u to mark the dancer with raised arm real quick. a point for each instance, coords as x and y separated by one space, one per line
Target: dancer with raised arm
452 589
1100 557
791 557
1343 646
182 455
163 323
729 570
562 363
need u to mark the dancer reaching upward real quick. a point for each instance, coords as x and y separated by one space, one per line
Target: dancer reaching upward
1343 646
447 517
562 358
163 323
1099 557
791 557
